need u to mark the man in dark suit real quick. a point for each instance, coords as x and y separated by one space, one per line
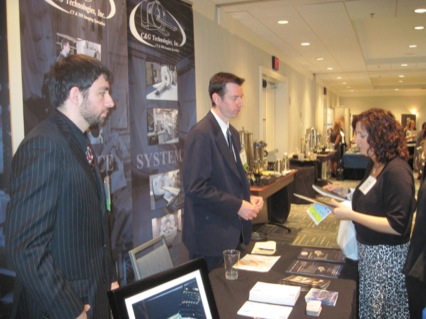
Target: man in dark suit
218 206
56 231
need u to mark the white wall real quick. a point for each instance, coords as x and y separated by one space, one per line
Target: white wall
224 45
396 104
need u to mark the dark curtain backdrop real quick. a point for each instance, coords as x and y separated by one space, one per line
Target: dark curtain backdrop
96 28
162 111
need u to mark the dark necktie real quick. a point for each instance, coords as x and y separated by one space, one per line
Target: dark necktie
228 135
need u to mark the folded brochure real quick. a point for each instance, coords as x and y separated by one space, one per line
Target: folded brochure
257 262
318 212
323 192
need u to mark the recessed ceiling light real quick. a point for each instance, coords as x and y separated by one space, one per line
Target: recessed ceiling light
305 44
339 77
420 10
282 22
329 68
412 46
404 64
400 81
401 76
419 27
320 59
396 89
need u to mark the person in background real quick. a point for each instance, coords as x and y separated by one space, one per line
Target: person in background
343 144
56 227
335 140
382 210
420 151
65 50
415 266
410 136
218 205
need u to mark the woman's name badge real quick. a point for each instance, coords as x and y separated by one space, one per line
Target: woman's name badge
367 185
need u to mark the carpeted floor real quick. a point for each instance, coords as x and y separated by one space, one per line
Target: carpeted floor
304 232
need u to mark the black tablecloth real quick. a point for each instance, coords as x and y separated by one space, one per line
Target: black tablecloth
354 165
230 295
303 181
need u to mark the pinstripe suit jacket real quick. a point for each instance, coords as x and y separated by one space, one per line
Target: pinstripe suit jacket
56 226
215 185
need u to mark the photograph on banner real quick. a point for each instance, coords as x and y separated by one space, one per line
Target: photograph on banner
161 82
169 226
68 45
162 126
164 188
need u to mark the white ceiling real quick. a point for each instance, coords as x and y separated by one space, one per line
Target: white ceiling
364 41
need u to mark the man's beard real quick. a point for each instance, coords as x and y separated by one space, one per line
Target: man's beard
92 118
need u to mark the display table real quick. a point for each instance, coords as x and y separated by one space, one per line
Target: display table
230 295
277 199
324 160
354 165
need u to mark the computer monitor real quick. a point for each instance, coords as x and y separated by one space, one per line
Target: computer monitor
181 292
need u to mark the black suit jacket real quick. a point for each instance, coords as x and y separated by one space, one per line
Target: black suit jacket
415 265
215 185
56 227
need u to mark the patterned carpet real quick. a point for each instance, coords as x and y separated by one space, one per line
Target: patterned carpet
304 232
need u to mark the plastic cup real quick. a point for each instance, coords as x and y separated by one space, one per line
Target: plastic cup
231 258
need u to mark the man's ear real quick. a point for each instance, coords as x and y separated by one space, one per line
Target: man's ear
75 95
216 98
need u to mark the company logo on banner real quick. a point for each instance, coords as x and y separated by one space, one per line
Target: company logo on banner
151 24
83 9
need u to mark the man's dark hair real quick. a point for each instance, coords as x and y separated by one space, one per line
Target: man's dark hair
218 83
64 42
77 70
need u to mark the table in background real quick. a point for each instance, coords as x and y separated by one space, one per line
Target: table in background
230 295
354 165
277 199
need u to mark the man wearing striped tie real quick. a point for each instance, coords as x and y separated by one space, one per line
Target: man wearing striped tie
218 207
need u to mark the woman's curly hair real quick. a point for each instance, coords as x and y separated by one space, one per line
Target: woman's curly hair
385 134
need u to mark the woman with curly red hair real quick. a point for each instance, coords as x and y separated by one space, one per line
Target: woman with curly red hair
382 209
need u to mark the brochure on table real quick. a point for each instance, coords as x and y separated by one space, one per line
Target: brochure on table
315 268
257 262
262 310
322 254
264 248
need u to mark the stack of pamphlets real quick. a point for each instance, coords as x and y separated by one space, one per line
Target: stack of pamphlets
328 298
274 293
271 301
263 310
